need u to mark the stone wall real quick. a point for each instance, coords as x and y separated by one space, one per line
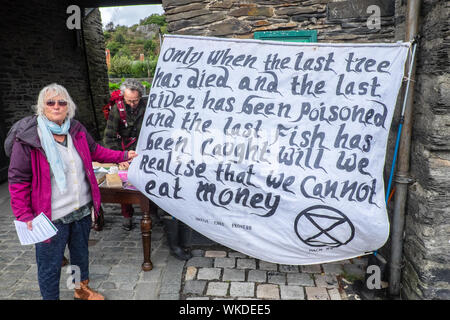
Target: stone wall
98 71
426 273
40 50
335 21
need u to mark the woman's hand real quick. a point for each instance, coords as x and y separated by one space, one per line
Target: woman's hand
30 225
124 165
132 154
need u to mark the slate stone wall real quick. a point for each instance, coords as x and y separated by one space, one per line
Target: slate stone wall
334 21
98 71
426 272
39 49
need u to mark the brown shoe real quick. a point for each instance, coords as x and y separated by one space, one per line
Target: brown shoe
65 262
86 293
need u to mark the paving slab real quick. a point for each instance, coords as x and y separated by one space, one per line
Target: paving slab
209 273
315 293
233 275
268 291
292 292
217 289
242 289
257 276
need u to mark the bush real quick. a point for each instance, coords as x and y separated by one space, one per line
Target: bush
114 86
118 37
107 35
152 66
139 69
120 66
113 47
155 19
144 69
147 85
124 52
149 46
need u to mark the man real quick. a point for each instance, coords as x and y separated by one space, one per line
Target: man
122 134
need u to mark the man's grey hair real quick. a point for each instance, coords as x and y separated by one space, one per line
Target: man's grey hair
51 91
132 84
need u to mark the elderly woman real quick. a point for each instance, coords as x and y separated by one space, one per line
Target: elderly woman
51 172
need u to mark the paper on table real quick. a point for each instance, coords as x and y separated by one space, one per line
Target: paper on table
43 229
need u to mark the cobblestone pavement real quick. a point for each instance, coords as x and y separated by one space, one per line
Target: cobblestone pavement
214 272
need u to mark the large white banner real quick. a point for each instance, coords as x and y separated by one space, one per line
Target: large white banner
273 149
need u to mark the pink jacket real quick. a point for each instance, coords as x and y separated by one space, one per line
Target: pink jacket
29 171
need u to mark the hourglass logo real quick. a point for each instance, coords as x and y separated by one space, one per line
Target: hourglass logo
323 226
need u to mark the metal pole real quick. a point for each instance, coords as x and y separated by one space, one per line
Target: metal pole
402 178
402 117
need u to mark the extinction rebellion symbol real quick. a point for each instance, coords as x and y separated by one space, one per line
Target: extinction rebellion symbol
323 226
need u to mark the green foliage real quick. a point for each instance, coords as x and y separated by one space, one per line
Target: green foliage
118 37
124 52
114 86
146 84
139 69
152 66
107 35
160 20
113 47
125 45
121 29
144 69
120 66
150 46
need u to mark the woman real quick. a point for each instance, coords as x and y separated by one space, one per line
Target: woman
51 172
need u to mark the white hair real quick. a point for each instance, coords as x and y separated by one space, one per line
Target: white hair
53 90
133 85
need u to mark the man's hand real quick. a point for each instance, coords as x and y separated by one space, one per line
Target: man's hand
30 225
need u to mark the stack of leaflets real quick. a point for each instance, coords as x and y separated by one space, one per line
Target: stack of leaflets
42 229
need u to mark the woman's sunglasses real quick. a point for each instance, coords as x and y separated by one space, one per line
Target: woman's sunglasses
52 103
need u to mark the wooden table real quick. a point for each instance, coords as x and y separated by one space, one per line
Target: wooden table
125 196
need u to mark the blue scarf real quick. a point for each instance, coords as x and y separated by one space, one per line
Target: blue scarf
48 128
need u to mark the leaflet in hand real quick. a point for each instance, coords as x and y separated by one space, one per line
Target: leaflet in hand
43 229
